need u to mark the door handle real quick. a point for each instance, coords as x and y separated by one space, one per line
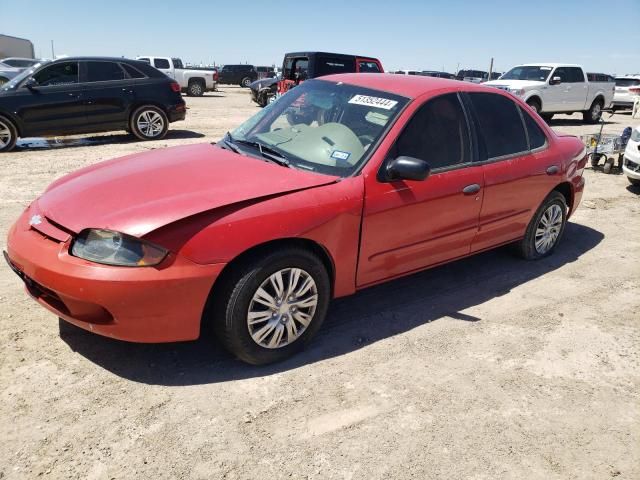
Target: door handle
552 170
471 189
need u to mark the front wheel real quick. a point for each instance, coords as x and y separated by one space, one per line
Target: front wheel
545 229
269 308
149 123
534 104
8 135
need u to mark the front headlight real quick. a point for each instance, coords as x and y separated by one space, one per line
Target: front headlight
517 91
114 248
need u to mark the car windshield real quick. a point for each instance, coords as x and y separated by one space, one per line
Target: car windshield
538 74
323 126
15 81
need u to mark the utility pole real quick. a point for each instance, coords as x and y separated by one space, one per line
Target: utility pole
490 69
53 55
458 68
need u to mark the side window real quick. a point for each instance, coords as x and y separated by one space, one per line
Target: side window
575 75
144 59
161 63
499 124
104 71
437 133
536 136
132 71
562 73
177 63
300 69
58 74
368 67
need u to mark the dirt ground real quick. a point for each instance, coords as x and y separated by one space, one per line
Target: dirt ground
490 367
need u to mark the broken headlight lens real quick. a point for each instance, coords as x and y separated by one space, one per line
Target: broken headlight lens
114 248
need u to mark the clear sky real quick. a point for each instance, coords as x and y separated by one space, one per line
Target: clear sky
602 35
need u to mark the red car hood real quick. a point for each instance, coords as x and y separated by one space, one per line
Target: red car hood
139 193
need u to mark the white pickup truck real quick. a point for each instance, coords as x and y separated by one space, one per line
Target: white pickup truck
551 88
193 82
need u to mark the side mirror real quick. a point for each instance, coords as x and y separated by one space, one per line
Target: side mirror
555 81
31 84
405 168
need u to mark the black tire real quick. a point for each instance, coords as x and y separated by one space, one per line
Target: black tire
196 88
151 111
231 303
608 165
526 247
9 134
594 114
245 82
595 159
547 117
634 181
262 99
535 104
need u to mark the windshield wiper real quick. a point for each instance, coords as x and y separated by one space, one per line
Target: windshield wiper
229 143
267 152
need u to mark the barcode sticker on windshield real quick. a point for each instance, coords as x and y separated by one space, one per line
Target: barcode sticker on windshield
377 102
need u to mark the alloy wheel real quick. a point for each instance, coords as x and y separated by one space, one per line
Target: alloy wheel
5 135
196 89
596 111
282 308
150 123
548 229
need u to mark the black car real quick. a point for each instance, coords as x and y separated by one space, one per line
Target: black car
89 94
264 90
241 75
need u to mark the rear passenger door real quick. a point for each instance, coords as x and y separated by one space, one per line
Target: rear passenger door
516 164
108 93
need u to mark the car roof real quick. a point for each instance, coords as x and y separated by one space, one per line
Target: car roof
631 76
311 54
548 64
110 59
410 86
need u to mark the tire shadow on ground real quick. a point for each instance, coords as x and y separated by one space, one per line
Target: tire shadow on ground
353 322
43 143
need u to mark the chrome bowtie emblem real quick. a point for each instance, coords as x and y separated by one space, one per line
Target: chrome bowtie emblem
35 220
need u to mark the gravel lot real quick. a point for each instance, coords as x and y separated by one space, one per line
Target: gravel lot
486 368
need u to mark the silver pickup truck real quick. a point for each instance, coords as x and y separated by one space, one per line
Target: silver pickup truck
193 82
551 88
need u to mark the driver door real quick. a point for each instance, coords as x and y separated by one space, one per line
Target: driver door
410 225
55 104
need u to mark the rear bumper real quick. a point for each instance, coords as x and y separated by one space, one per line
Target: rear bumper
620 105
177 112
152 304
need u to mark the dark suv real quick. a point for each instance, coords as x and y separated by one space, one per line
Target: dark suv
241 75
89 94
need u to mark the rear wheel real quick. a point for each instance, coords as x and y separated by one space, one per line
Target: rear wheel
149 123
245 82
196 88
267 309
545 229
594 114
8 135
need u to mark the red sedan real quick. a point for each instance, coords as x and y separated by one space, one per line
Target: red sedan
342 183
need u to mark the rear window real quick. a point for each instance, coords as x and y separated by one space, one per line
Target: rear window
104 72
500 125
536 136
599 77
132 71
161 63
330 65
627 82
